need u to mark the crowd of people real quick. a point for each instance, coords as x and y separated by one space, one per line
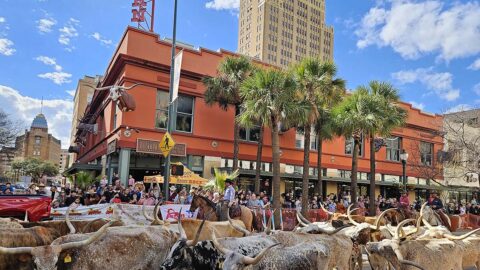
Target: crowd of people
136 193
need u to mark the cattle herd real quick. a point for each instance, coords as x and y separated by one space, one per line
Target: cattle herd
341 243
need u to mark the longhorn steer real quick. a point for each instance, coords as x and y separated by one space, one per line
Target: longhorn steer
131 247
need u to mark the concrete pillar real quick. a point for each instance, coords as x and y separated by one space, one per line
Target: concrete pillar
104 165
124 165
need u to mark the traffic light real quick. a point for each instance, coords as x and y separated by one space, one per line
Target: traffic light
177 170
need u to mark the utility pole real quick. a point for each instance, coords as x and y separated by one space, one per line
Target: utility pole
171 112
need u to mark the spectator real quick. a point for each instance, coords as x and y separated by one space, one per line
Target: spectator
254 202
8 186
131 181
104 181
435 202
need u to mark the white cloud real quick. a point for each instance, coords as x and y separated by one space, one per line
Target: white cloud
223 4
439 83
476 88
103 40
459 108
6 47
45 25
71 92
413 28
49 62
57 77
24 108
2 19
475 65
67 32
417 105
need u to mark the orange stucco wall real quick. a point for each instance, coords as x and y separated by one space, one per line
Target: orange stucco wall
141 57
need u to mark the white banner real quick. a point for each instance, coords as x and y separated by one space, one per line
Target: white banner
170 211
130 214
176 74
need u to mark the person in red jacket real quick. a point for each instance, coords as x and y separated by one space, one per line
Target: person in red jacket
405 204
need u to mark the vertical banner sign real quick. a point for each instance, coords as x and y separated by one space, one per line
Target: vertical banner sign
176 74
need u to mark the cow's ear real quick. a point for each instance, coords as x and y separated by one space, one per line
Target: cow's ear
24 258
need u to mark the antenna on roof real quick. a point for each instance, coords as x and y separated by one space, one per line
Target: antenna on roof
41 106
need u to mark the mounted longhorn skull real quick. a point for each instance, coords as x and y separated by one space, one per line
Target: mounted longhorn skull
119 94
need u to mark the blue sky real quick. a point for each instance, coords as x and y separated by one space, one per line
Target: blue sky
430 50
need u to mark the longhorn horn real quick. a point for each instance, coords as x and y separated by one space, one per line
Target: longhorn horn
89 240
461 237
326 211
400 225
100 88
145 214
130 87
305 220
238 228
193 242
429 226
155 213
300 221
183 235
377 221
16 250
219 246
247 260
67 220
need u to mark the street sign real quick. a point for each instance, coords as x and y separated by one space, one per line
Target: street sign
167 144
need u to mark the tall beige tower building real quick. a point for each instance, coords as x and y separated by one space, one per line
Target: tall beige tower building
281 32
83 96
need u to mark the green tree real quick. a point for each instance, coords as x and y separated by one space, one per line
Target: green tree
35 168
224 89
318 91
217 184
269 96
353 118
84 179
388 115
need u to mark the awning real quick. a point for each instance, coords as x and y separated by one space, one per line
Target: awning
77 167
188 178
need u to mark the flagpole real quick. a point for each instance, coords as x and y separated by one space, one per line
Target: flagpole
171 113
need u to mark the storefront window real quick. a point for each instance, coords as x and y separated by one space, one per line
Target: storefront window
300 141
250 134
393 148
184 109
349 146
426 151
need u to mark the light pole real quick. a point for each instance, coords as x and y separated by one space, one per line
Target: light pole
171 112
404 158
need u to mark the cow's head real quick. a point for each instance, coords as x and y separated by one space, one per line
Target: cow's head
179 249
46 257
235 260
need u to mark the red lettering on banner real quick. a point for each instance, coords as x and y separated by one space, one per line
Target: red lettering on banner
172 214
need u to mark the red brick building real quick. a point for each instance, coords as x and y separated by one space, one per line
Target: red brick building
204 134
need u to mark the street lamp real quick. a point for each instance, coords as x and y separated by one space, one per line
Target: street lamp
404 158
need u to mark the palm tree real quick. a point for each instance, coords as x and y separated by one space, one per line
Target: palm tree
353 118
83 179
224 89
269 97
388 116
317 90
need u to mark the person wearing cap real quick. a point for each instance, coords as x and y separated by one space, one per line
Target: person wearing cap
228 199
435 203
173 193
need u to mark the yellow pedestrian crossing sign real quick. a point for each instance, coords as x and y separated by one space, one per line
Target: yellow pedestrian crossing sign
167 144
